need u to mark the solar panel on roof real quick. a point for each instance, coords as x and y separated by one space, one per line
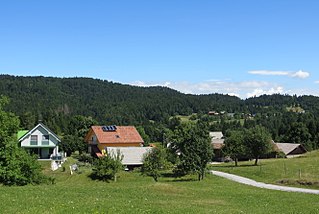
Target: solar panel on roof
109 128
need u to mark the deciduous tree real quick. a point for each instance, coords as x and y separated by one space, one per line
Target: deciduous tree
192 144
257 141
234 145
153 162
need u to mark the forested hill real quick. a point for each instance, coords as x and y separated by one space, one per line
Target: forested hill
67 103
107 102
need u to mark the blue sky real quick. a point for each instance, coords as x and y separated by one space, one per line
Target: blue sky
243 47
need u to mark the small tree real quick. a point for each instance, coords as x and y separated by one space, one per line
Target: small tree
258 142
108 166
192 143
234 145
153 163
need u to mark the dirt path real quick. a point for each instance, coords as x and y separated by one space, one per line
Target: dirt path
251 182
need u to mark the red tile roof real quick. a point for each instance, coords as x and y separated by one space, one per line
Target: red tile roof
123 134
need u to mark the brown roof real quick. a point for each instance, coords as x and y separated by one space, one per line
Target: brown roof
288 148
122 134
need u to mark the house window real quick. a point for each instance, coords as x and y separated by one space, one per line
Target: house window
34 140
45 139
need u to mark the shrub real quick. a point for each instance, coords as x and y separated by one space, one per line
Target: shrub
107 167
17 167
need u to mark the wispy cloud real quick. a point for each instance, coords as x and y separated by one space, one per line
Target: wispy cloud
239 89
258 91
244 89
295 74
317 82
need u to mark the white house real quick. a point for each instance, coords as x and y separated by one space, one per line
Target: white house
40 141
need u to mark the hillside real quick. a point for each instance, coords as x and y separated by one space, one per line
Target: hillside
56 101
106 101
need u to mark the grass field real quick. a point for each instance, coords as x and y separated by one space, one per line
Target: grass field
134 193
300 171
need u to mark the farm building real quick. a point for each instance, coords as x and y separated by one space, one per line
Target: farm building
291 149
217 142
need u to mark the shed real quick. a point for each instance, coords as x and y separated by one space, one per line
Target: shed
290 149
132 156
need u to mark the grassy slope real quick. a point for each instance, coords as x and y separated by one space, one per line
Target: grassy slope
136 194
303 168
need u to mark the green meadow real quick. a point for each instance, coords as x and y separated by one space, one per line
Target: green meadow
300 171
134 193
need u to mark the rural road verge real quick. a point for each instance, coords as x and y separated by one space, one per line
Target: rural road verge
251 182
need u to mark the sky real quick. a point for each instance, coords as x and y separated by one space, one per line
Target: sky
238 47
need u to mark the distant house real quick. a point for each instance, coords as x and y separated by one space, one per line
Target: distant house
217 142
40 141
291 149
99 138
213 113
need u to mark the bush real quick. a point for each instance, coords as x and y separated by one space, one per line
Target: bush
107 167
85 157
153 163
17 167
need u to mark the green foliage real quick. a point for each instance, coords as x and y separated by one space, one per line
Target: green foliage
9 123
72 143
299 133
234 145
257 140
107 167
153 163
85 158
192 144
16 166
144 136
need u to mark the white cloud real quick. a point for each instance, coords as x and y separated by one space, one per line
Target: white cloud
239 89
317 82
258 91
295 74
272 73
300 74
243 89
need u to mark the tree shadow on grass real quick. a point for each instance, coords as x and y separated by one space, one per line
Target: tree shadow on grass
174 178
182 180
232 166
96 178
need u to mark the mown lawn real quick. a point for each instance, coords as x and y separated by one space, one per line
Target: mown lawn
304 170
134 193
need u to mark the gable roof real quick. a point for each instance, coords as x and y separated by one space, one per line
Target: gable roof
122 134
131 155
35 128
287 148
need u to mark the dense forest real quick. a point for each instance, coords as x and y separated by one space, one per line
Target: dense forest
57 101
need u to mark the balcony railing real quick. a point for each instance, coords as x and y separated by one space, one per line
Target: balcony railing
33 142
45 142
56 157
